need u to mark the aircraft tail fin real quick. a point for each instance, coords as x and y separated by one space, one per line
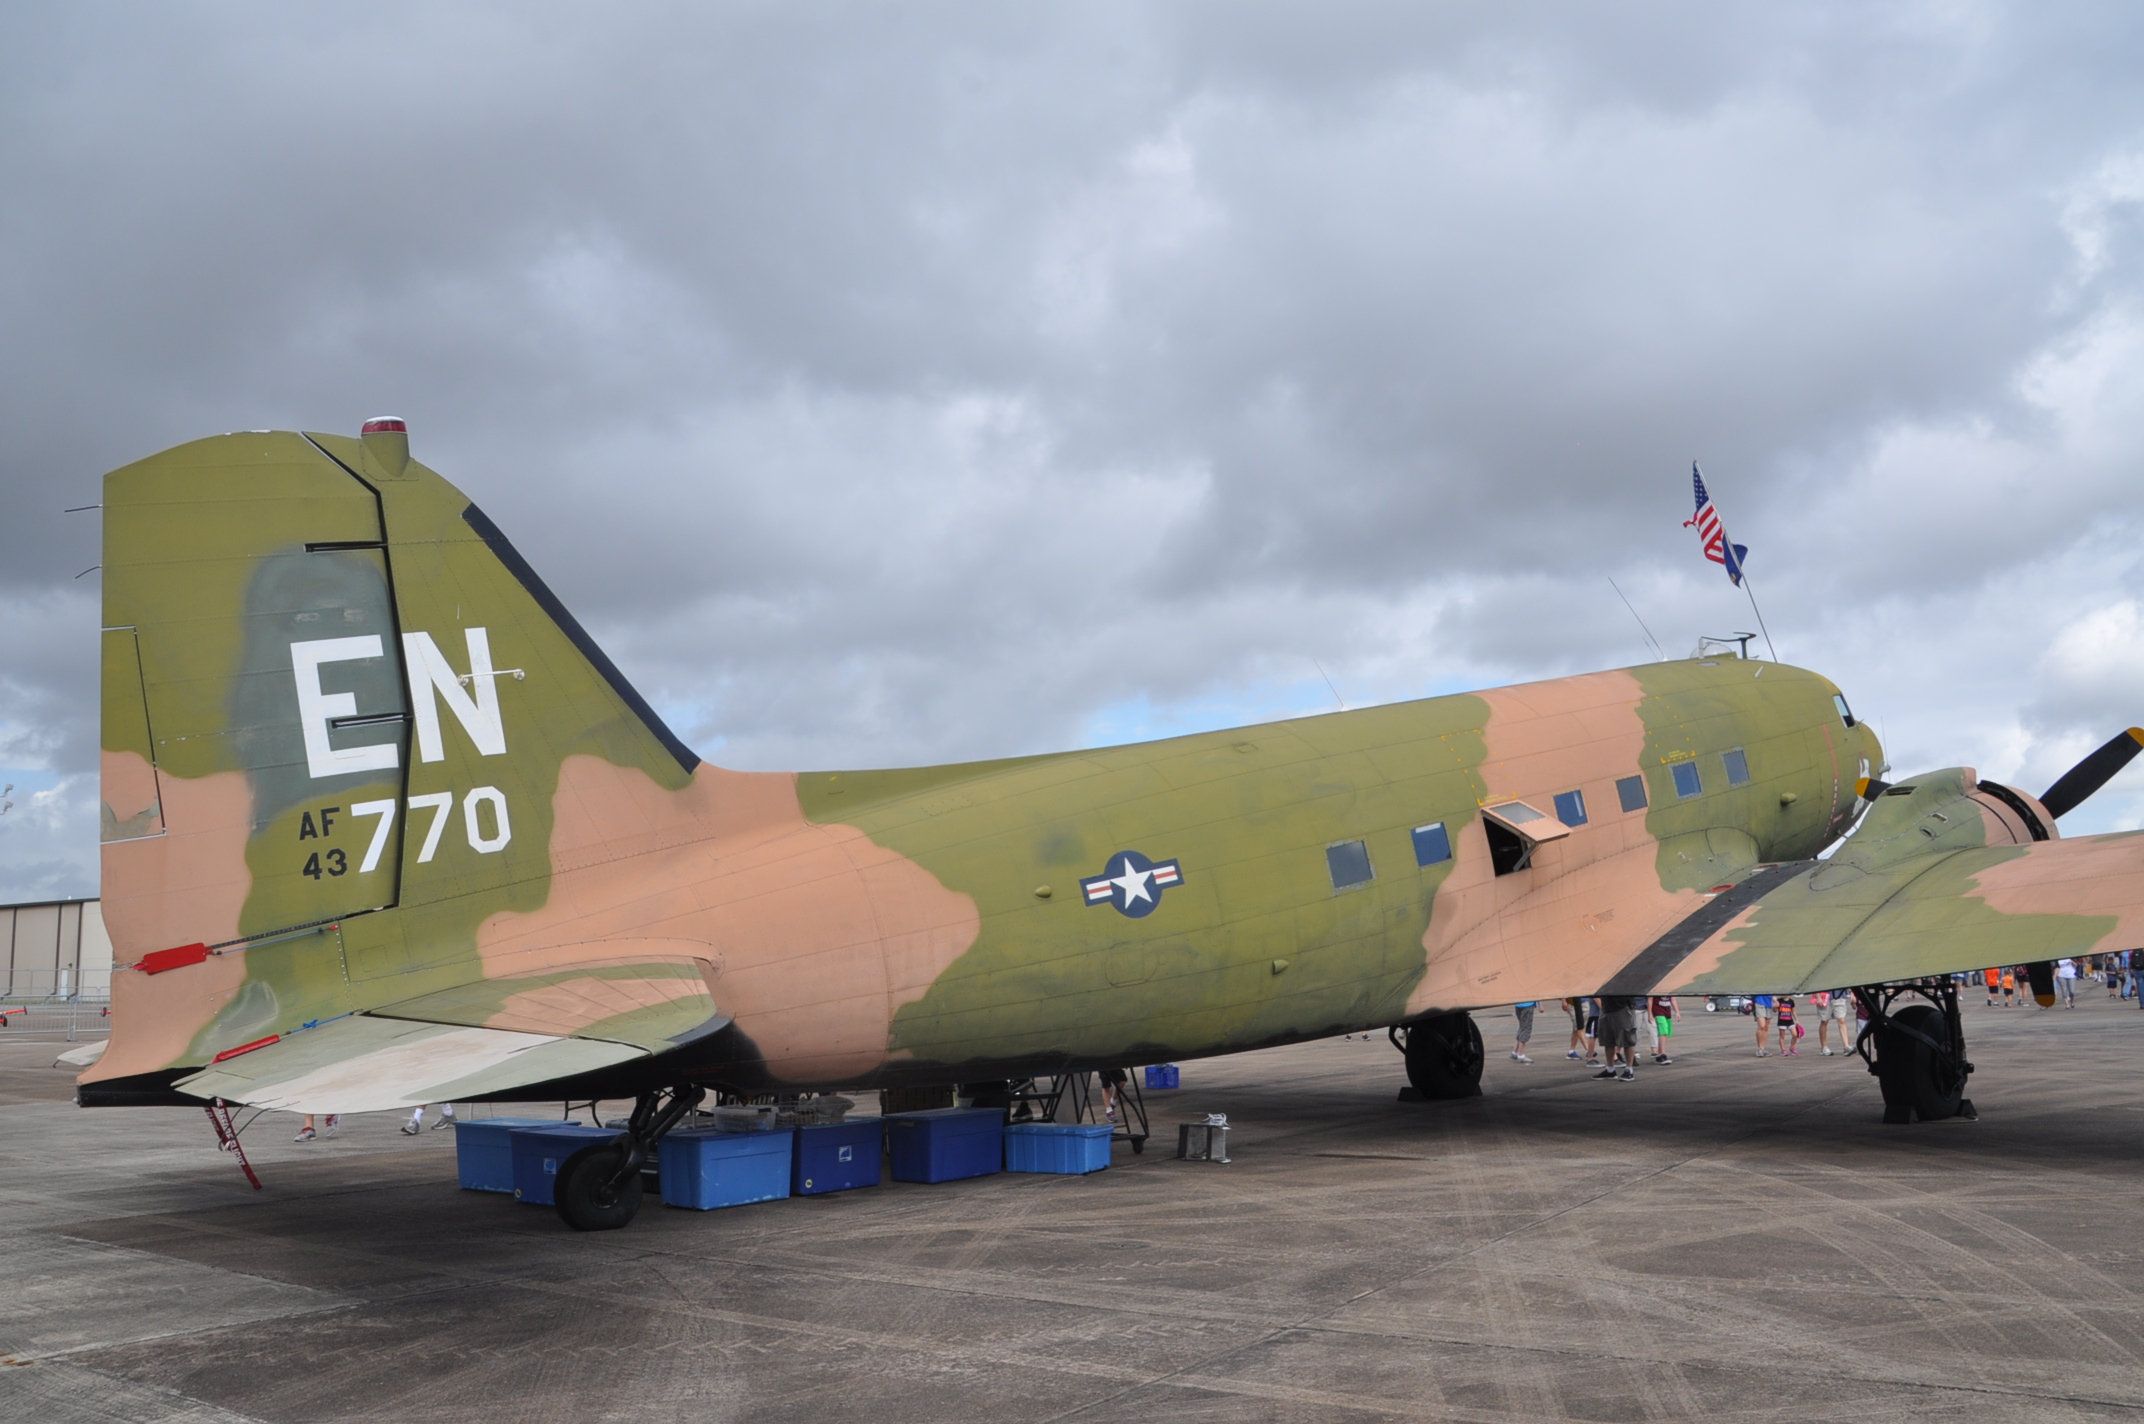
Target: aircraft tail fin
332 686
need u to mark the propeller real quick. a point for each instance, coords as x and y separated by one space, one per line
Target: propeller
2069 792
2081 780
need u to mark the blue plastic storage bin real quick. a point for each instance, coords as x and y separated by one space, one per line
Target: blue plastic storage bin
484 1154
539 1152
706 1170
1068 1149
946 1144
833 1157
1161 1075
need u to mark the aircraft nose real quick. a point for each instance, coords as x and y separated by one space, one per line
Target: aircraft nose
1871 748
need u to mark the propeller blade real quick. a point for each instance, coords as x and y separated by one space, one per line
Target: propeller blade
2081 780
1868 788
2042 978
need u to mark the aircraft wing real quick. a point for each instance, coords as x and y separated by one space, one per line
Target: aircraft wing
1827 925
474 1040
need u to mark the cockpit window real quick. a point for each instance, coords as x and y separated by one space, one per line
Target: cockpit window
1846 713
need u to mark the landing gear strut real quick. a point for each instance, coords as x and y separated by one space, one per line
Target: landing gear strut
598 1187
1917 1052
1444 1055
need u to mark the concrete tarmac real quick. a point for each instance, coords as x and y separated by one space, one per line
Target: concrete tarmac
1726 1238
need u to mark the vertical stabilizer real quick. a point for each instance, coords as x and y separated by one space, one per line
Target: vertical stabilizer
333 688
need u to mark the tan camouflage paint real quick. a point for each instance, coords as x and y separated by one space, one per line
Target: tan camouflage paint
1586 903
821 934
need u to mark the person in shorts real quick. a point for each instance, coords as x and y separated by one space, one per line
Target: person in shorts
1663 1013
1113 1081
1760 1008
2009 985
1790 1032
1524 1014
1835 1006
1581 1029
1995 982
1618 1033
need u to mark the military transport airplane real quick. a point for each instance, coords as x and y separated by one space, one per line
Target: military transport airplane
383 826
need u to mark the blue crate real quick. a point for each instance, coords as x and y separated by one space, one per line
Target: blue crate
833 1157
1161 1075
706 1170
539 1152
1066 1149
484 1154
946 1144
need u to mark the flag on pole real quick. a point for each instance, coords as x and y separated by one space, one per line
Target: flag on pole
1709 528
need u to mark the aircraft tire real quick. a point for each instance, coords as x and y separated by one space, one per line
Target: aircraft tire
1445 1056
579 1193
1915 1079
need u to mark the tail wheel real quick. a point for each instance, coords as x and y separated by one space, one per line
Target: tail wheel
1918 1077
1445 1057
586 1193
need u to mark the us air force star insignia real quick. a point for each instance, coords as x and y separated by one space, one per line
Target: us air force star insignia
1132 883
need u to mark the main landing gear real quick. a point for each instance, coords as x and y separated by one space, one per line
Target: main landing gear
1917 1051
598 1187
1444 1055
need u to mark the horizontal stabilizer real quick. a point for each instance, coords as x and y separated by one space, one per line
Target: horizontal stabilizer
365 1064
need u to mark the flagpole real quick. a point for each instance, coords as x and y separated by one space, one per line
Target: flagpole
1751 590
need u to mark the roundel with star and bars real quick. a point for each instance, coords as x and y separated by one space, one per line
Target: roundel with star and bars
1132 883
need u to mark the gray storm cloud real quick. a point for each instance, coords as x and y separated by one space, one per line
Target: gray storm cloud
889 384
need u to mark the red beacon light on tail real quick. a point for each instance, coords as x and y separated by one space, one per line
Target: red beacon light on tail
387 445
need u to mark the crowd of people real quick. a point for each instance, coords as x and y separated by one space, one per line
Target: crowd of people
1607 1029
2121 973
1615 1023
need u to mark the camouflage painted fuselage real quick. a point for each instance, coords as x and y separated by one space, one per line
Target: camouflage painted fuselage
359 758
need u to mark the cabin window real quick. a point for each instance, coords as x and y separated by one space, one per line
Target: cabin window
1631 792
1432 844
1846 713
1571 807
1687 782
1349 862
1737 767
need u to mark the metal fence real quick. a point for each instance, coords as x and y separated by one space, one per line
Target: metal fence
50 1004
52 953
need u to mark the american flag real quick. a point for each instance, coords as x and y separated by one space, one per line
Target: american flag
1709 528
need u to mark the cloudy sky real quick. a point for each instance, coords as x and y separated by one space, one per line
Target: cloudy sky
909 382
